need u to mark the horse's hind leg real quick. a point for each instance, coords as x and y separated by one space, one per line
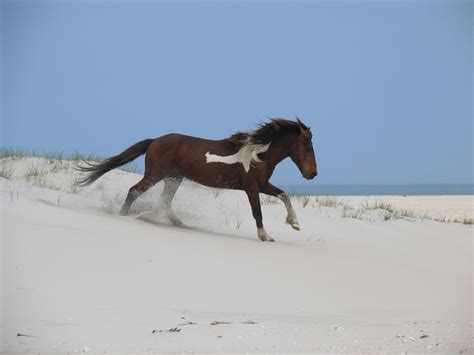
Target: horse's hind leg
171 186
135 191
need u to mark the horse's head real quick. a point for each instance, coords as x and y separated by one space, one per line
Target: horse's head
302 152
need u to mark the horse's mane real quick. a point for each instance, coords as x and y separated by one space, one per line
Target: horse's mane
267 132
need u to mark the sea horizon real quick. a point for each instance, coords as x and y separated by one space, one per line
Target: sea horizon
380 189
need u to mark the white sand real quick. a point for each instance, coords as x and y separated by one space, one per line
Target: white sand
77 277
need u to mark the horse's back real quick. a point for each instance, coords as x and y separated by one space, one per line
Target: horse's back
183 155
177 141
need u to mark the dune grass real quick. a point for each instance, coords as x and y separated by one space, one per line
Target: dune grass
17 153
6 171
269 200
388 211
32 173
331 201
304 200
57 156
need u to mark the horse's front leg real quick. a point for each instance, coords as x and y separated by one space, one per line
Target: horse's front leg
254 199
291 218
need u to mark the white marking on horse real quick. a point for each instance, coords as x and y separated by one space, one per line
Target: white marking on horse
263 235
246 155
291 218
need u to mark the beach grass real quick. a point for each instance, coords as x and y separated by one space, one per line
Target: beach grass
387 211
6 171
57 156
17 153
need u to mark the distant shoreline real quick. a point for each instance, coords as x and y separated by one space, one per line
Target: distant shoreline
381 190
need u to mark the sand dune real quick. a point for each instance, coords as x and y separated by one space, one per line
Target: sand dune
78 277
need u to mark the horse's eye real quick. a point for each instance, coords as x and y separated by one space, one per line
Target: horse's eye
308 146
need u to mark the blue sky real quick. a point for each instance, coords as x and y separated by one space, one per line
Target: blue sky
385 85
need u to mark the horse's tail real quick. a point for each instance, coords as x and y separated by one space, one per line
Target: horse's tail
97 170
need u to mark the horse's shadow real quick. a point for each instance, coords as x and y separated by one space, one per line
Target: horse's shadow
151 218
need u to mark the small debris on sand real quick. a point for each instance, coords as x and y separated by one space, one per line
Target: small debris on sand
249 322
171 330
25 335
187 323
424 336
217 322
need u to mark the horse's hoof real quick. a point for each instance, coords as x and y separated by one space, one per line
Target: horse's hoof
295 226
178 223
293 222
175 221
263 236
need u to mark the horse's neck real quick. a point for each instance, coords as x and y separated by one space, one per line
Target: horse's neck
276 153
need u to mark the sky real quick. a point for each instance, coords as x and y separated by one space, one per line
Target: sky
385 85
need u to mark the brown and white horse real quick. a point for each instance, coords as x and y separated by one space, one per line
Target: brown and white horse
243 161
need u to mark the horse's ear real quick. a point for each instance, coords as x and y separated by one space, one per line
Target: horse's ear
302 125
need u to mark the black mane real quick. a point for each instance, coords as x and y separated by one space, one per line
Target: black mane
268 131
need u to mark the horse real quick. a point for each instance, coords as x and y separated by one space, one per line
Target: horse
244 161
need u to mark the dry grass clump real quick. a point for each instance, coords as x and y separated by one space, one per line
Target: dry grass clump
330 201
18 153
6 171
304 200
269 200
56 157
444 219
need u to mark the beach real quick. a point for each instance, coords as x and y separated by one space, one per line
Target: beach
362 275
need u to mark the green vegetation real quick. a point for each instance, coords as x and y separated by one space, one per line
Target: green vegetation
130 168
17 153
330 201
304 200
467 221
6 171
32 173
444 219
353 213
269 200
390 212
55 157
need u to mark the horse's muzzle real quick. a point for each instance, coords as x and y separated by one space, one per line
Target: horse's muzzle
309 174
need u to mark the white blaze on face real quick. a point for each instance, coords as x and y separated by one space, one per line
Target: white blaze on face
246 155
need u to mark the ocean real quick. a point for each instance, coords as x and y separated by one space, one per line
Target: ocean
379 190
